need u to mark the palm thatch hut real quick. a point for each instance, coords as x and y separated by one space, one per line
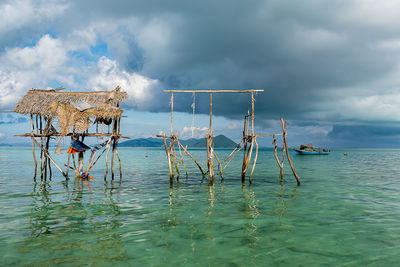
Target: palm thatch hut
55 114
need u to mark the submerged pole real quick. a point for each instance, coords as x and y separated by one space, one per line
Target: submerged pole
287 152
33 148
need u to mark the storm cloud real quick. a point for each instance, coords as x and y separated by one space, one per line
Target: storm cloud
319 62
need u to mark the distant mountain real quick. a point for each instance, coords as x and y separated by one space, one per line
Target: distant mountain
220 141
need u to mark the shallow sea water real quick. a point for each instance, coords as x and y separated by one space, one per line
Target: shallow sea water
345 213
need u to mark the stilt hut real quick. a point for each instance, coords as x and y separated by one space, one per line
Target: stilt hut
56 114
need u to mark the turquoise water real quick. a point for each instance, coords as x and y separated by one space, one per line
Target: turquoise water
345 213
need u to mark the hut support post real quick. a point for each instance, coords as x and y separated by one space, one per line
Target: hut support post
287 152
108 151
33 148
55 164
41 145
69 157
116 148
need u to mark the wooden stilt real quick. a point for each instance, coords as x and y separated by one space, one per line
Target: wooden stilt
112 159
203 172
41 152
219 166
176 162
245 141
280 164
69 157
287 152
108 151
167 151
45 152
210 147
119 162
33 148
255 161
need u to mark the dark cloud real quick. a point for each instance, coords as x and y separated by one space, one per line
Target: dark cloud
320 62
365 135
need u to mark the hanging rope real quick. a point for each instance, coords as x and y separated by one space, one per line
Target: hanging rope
193 108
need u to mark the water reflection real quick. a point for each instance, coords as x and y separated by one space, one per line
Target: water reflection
252 213
75 225
281 203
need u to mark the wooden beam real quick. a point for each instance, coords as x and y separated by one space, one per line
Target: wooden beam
70 134
213 91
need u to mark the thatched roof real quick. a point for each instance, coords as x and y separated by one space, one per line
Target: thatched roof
63 107
40 102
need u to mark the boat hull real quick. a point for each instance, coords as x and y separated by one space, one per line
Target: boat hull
303 152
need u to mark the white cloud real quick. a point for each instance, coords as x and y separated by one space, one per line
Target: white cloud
19 13
108 75
193 132
49 55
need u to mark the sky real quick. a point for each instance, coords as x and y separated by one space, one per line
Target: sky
331 69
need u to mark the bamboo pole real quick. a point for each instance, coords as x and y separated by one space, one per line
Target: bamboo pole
55 164
108 151
203 172
70 134
245 141
213 91
33 148
182 155
219 165
255 161
176 163
287 152
41 152
169 159
99 157
112 159
69 157
210 163
116 148
231 158
276 157
172 112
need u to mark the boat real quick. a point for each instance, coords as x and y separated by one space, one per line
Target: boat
310 150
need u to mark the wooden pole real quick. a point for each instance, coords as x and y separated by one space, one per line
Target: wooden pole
172 113
108 151
116 148
287 152
80 158
203 172
276 157
210 146
55 164
69 157
41 152
112 160
33 148
219 165
245 141
169 159
255 161
176 162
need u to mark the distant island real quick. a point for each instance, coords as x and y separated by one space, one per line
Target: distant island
220 141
